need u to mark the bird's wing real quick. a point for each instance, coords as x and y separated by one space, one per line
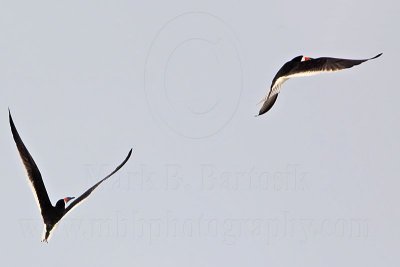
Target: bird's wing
90 190
268 104
276 86
325 64
269 100
35 178
280 77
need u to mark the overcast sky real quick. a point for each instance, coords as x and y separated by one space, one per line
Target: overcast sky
313 182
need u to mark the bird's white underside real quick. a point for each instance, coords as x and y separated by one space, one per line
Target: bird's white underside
279 82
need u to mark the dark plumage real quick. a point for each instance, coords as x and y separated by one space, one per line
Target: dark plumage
304 66
51 215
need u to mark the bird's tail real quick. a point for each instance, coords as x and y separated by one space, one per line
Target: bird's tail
47 232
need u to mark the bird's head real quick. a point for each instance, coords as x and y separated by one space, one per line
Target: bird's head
304 58
62 202
301 58
66 199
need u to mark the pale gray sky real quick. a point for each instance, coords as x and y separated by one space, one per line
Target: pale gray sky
314 182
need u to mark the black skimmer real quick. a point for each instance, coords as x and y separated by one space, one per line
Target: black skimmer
51 214
305 66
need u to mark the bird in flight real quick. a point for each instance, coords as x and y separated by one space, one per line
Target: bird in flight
51 214
305 66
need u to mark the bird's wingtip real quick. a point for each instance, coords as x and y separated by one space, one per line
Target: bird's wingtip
9 116
380 54
129 153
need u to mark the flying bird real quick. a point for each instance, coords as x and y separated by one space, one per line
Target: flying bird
305 66
51 214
